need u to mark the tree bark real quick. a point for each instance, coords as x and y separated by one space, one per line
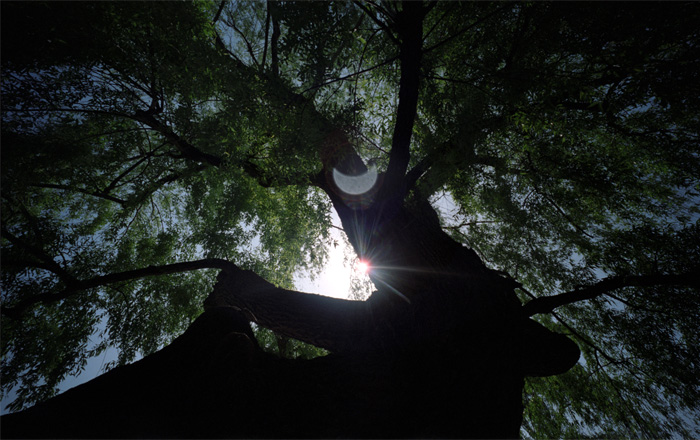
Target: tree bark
448 364
215 382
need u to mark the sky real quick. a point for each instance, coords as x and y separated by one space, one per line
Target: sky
336 278
334 281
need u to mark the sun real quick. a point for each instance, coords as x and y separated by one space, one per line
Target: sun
362 267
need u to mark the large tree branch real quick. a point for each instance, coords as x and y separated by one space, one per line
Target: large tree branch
47 262
188 150
548 303
335 151
17 309
410 29
191 152
334 324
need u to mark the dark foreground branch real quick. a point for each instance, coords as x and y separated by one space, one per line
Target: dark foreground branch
187 150
410 28
548 303
46 298
334 324
100 194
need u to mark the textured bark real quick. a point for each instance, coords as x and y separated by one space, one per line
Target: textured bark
215 382
449 363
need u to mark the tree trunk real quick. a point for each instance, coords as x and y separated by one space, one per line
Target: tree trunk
215 382
449 362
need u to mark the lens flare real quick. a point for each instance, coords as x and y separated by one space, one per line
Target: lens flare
362 267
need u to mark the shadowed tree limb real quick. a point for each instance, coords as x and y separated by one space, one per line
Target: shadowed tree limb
188 150
409 24
274 65
100 194
104 193
17 309
47 262
548 303
379 23
218 12
337 325
267 33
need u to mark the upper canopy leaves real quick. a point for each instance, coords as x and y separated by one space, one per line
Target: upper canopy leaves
139 134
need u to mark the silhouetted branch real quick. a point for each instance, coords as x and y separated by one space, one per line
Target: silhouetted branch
78 285
46 261
188 150
267 32
547 304
335 324
100 194
350 75
273 44
465 29
218 12
409 23
379 23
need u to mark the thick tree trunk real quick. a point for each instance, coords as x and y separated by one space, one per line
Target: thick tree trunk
215 382
439 350
448 364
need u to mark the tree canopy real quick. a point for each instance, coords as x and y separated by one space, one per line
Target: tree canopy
145 142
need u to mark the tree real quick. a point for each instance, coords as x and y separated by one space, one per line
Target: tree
151 147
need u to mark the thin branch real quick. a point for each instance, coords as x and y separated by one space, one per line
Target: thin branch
563 213
584 339
47 298
379 23
460 32
267 31
475 222
249 46
48 262
273 45
133 219
439 20
129 169
100 194
188 150
72 110
218 12
386 12
547 304
468 83
351 75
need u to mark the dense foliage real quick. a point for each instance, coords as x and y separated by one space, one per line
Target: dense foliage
564 137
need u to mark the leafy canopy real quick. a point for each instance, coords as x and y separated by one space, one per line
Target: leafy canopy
564 137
